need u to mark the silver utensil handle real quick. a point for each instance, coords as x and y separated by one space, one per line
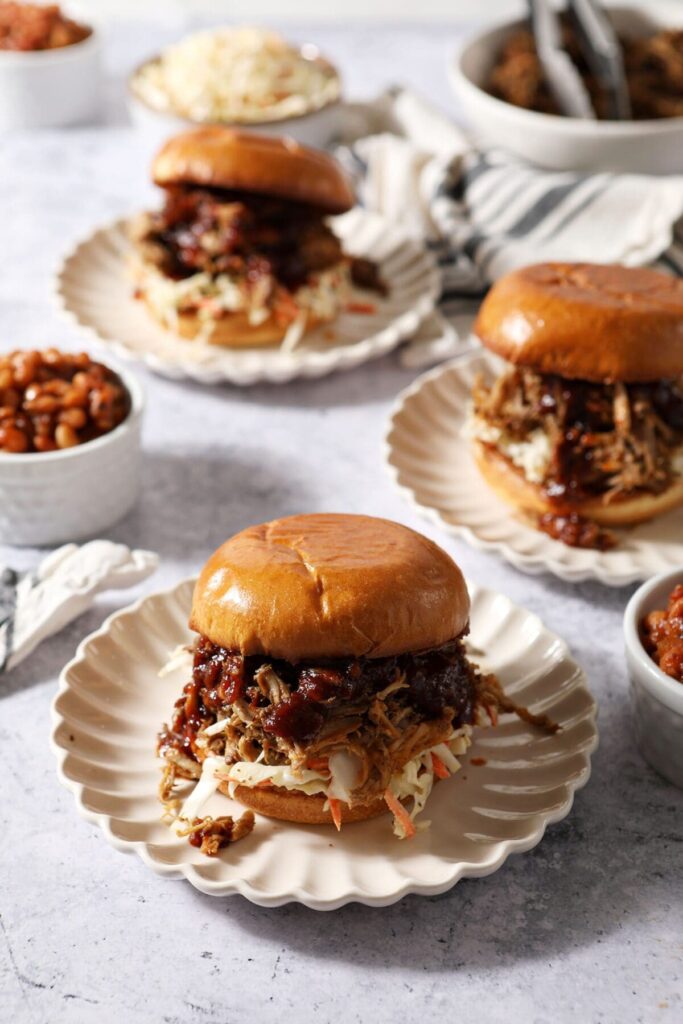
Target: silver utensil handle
603 54
563 79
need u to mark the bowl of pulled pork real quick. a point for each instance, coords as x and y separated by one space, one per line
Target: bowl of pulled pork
653 636
499 81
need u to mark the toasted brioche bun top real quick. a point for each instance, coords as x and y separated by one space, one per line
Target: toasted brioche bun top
329 586
219 157
587 321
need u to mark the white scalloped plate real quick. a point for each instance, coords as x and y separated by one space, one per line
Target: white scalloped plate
94 289
430 461
111 703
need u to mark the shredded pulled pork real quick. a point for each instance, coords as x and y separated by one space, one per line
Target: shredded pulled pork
210 835
661 632
576 531
378 713
653 65
607 440
223 232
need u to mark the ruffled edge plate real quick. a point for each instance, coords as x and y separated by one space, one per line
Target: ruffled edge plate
111 703
93 290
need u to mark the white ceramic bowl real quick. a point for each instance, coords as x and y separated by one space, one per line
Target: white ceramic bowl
318 128
656 699
51 88
54 497
563 143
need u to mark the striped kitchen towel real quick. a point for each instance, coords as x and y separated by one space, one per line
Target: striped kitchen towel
486 213
35 605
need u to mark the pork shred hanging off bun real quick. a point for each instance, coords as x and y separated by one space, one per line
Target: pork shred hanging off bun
584 429
241 254
330 681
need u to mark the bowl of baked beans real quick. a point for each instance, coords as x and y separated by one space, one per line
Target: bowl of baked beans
50 70
69 446
653 635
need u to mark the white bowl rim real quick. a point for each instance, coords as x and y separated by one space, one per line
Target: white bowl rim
57 55
558 122
137 405
134 96
663 688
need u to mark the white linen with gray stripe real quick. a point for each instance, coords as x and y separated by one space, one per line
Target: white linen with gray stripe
486 213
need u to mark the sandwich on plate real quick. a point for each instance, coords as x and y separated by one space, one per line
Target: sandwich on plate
241 253
583 428
330 680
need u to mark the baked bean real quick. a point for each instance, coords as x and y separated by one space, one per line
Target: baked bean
81 381
43 403
56 387
76 418
75 398
13 440
55 400
66 436
11 398
44 444
25 367
25 26
52 356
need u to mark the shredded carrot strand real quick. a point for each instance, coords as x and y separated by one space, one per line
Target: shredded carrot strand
400 813
440 769
493 714
361 307
335 811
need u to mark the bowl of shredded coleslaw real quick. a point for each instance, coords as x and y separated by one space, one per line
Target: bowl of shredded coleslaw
247 77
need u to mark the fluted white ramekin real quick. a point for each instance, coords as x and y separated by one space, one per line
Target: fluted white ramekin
54 497
656 698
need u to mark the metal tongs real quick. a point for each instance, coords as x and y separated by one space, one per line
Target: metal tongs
600 48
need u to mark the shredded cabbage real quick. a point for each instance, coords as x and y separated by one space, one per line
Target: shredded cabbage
211 296
205 788
236 75
531 455
344 772
414 781
217 728
180 658
250 773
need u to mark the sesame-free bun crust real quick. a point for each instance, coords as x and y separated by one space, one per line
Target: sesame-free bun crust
219 157
587 321
288 805
329 586
511 485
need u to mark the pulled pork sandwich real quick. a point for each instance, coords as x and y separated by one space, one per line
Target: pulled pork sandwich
330 681
584 429
241 253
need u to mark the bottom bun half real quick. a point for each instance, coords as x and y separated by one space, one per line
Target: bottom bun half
511 485
288 805
232 330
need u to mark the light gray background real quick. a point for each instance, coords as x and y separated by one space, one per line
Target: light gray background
586 928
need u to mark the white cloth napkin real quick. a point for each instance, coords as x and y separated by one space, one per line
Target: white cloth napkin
486 213
34 605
